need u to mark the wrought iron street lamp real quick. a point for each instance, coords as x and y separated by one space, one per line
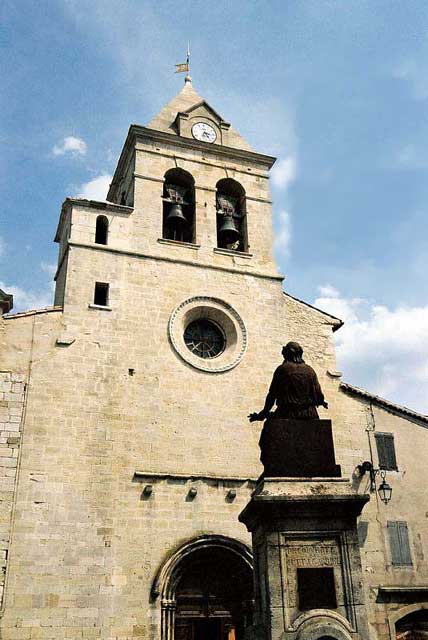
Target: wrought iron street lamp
385 490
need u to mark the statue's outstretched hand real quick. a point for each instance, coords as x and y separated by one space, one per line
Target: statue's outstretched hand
253 417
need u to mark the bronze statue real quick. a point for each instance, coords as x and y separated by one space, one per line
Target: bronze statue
294 388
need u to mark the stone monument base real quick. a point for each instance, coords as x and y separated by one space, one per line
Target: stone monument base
308 577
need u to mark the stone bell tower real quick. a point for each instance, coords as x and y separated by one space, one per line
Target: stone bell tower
192 183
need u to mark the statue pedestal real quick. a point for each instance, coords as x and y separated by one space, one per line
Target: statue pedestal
308 578
298 449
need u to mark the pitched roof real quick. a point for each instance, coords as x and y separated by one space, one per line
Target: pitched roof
381 402
184 101
31 312
336 322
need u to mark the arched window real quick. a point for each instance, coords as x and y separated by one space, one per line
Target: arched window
178 206
231 216
101 230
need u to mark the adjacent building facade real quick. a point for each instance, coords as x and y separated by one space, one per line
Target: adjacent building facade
125 450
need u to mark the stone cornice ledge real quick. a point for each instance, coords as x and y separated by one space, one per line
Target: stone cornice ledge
404 589
198 265
99 204
158 475
230 152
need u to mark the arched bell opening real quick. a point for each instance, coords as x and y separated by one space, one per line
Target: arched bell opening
206 591
178 222
413 626
231 215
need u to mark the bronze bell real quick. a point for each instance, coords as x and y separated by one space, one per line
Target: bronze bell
228 232
175 215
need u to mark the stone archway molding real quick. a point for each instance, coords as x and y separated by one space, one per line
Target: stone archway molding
320 623
169 573
168 576
396 615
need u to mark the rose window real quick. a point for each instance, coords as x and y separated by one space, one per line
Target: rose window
204 338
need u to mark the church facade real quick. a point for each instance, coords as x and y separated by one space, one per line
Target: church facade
126 454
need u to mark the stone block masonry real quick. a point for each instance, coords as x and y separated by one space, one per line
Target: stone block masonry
12 395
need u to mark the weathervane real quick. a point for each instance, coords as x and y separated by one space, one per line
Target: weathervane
184 67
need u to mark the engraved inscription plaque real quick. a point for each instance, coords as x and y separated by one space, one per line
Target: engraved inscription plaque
317 555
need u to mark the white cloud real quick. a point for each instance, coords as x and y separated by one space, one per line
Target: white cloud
284 172
70 145
126 36
382 350
95 189
282 175
24 300
411 157
414 72
283 234
48 268
328 291
27 299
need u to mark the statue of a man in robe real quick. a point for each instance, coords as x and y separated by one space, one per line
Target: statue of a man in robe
294 388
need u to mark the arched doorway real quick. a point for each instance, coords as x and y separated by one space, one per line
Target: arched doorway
206 590
413 626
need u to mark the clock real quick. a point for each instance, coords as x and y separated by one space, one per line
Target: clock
204 132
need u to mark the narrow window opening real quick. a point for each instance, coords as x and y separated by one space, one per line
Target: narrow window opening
178 206
101 294
231 216
101 230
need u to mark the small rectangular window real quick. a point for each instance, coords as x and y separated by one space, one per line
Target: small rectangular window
399 543
101 294
386 451
316 588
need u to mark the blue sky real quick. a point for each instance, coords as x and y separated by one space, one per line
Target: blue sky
337 90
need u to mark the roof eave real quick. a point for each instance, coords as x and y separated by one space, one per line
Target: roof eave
382 402
336 323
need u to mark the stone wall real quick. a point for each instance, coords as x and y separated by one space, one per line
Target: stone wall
87 543
12 395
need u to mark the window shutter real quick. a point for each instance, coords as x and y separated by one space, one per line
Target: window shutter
394 542
362 530
403 538
399 543
386 451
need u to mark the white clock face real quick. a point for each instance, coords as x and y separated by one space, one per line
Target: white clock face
204 132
